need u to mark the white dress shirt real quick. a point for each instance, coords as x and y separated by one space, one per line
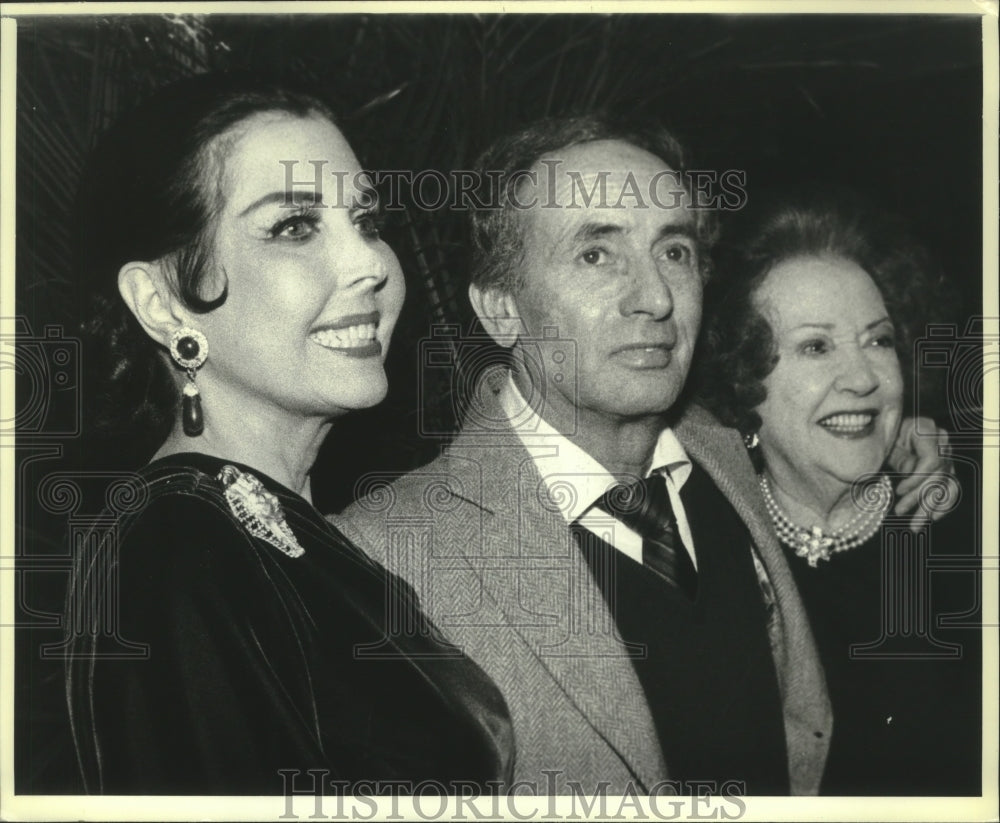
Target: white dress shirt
575 481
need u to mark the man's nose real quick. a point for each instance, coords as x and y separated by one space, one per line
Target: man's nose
649 293
856 373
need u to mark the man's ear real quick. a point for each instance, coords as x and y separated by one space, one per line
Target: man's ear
146 291
498 313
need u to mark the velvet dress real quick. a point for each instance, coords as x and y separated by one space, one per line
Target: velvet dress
899 641
212 661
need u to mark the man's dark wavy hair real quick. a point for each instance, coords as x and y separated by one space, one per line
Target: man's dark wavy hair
152 191
496 231
738 349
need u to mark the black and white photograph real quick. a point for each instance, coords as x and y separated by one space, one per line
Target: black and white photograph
517 411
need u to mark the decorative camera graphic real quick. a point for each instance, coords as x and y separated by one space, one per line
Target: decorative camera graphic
968 358
46 381
473 364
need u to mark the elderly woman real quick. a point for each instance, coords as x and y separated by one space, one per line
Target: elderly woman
809 328
222 630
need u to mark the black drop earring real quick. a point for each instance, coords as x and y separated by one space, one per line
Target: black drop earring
189 349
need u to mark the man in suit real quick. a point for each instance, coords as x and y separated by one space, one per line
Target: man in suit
597 544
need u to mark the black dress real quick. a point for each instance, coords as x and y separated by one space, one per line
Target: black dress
227 660
905 691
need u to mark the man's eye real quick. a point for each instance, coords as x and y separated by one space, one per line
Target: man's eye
884 341
593 257
679 253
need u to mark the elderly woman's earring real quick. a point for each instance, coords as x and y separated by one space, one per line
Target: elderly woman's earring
189 349
751 441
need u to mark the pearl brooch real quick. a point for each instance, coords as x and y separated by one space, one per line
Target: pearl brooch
813 543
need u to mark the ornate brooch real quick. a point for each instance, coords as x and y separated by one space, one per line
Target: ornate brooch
813 543
258 510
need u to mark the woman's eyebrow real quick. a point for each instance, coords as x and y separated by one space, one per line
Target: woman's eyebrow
828 326
290 199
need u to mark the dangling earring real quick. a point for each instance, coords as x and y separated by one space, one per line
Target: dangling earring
189 348
751 441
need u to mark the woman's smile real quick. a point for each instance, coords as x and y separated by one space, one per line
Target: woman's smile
353 336
850 425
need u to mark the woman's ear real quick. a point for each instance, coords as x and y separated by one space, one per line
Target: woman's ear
498 313
146 291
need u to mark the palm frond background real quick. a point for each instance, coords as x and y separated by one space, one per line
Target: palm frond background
890 105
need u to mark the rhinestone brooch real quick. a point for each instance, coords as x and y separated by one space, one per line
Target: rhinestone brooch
813 543
258 510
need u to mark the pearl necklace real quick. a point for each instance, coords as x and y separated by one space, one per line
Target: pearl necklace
814 544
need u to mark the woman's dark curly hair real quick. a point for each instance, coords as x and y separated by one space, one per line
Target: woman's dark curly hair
151 192
738 348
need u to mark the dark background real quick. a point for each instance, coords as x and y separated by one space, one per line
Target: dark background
888 104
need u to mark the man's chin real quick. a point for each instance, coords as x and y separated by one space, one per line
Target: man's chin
637 408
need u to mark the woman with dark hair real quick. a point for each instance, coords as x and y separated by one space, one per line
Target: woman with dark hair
809 339
221 629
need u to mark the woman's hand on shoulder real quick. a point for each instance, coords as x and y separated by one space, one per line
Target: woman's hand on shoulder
929 489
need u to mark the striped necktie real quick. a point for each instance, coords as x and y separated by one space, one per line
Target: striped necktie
645 508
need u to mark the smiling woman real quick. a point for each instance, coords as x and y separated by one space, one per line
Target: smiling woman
809 334
834 397
308 281
259 642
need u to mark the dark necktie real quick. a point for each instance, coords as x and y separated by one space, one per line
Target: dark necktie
645 508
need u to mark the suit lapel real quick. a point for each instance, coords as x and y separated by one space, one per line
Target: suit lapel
548 596
808 718
721 453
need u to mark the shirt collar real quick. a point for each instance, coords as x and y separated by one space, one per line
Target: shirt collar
567 466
